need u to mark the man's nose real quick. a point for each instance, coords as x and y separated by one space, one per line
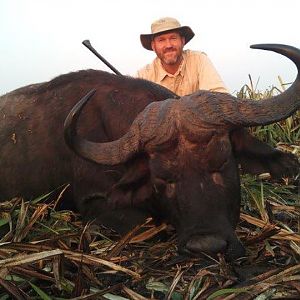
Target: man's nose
169 43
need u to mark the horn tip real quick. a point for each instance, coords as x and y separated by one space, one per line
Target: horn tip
280 48
264 46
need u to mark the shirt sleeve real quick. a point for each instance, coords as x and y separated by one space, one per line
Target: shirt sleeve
145 73
139 74
209 78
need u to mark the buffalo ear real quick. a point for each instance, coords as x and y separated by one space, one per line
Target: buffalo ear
256 157
137 169
251 154
134 189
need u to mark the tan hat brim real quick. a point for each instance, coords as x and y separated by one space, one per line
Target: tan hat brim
185 31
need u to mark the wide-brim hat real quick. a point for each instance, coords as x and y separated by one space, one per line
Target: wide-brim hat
165 25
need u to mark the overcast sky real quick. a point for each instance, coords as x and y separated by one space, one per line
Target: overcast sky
41 39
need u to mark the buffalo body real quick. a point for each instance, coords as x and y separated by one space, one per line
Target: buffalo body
146 152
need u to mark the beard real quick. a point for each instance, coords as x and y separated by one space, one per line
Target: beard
171 56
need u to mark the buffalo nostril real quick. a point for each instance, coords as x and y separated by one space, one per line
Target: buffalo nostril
207 244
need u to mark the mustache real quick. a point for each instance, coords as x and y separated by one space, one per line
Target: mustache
171 49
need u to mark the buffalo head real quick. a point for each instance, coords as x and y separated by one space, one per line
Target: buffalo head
192 147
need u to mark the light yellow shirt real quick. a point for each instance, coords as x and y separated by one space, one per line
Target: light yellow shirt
196 72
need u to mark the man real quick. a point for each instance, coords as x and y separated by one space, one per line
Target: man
181 71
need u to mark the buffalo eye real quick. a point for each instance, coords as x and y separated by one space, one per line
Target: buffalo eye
159 185
165 186
170 190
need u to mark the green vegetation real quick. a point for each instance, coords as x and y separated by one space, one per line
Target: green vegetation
284 132
50 254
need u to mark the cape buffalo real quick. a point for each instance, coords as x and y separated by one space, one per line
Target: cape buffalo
179 160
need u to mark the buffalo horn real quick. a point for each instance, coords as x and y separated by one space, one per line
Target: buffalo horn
109 153
160 121
225 109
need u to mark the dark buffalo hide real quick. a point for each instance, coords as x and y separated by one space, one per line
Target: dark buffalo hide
147 153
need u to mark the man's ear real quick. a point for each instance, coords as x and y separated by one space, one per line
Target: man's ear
153 45
183 40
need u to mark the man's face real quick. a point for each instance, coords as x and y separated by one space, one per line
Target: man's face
168 47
